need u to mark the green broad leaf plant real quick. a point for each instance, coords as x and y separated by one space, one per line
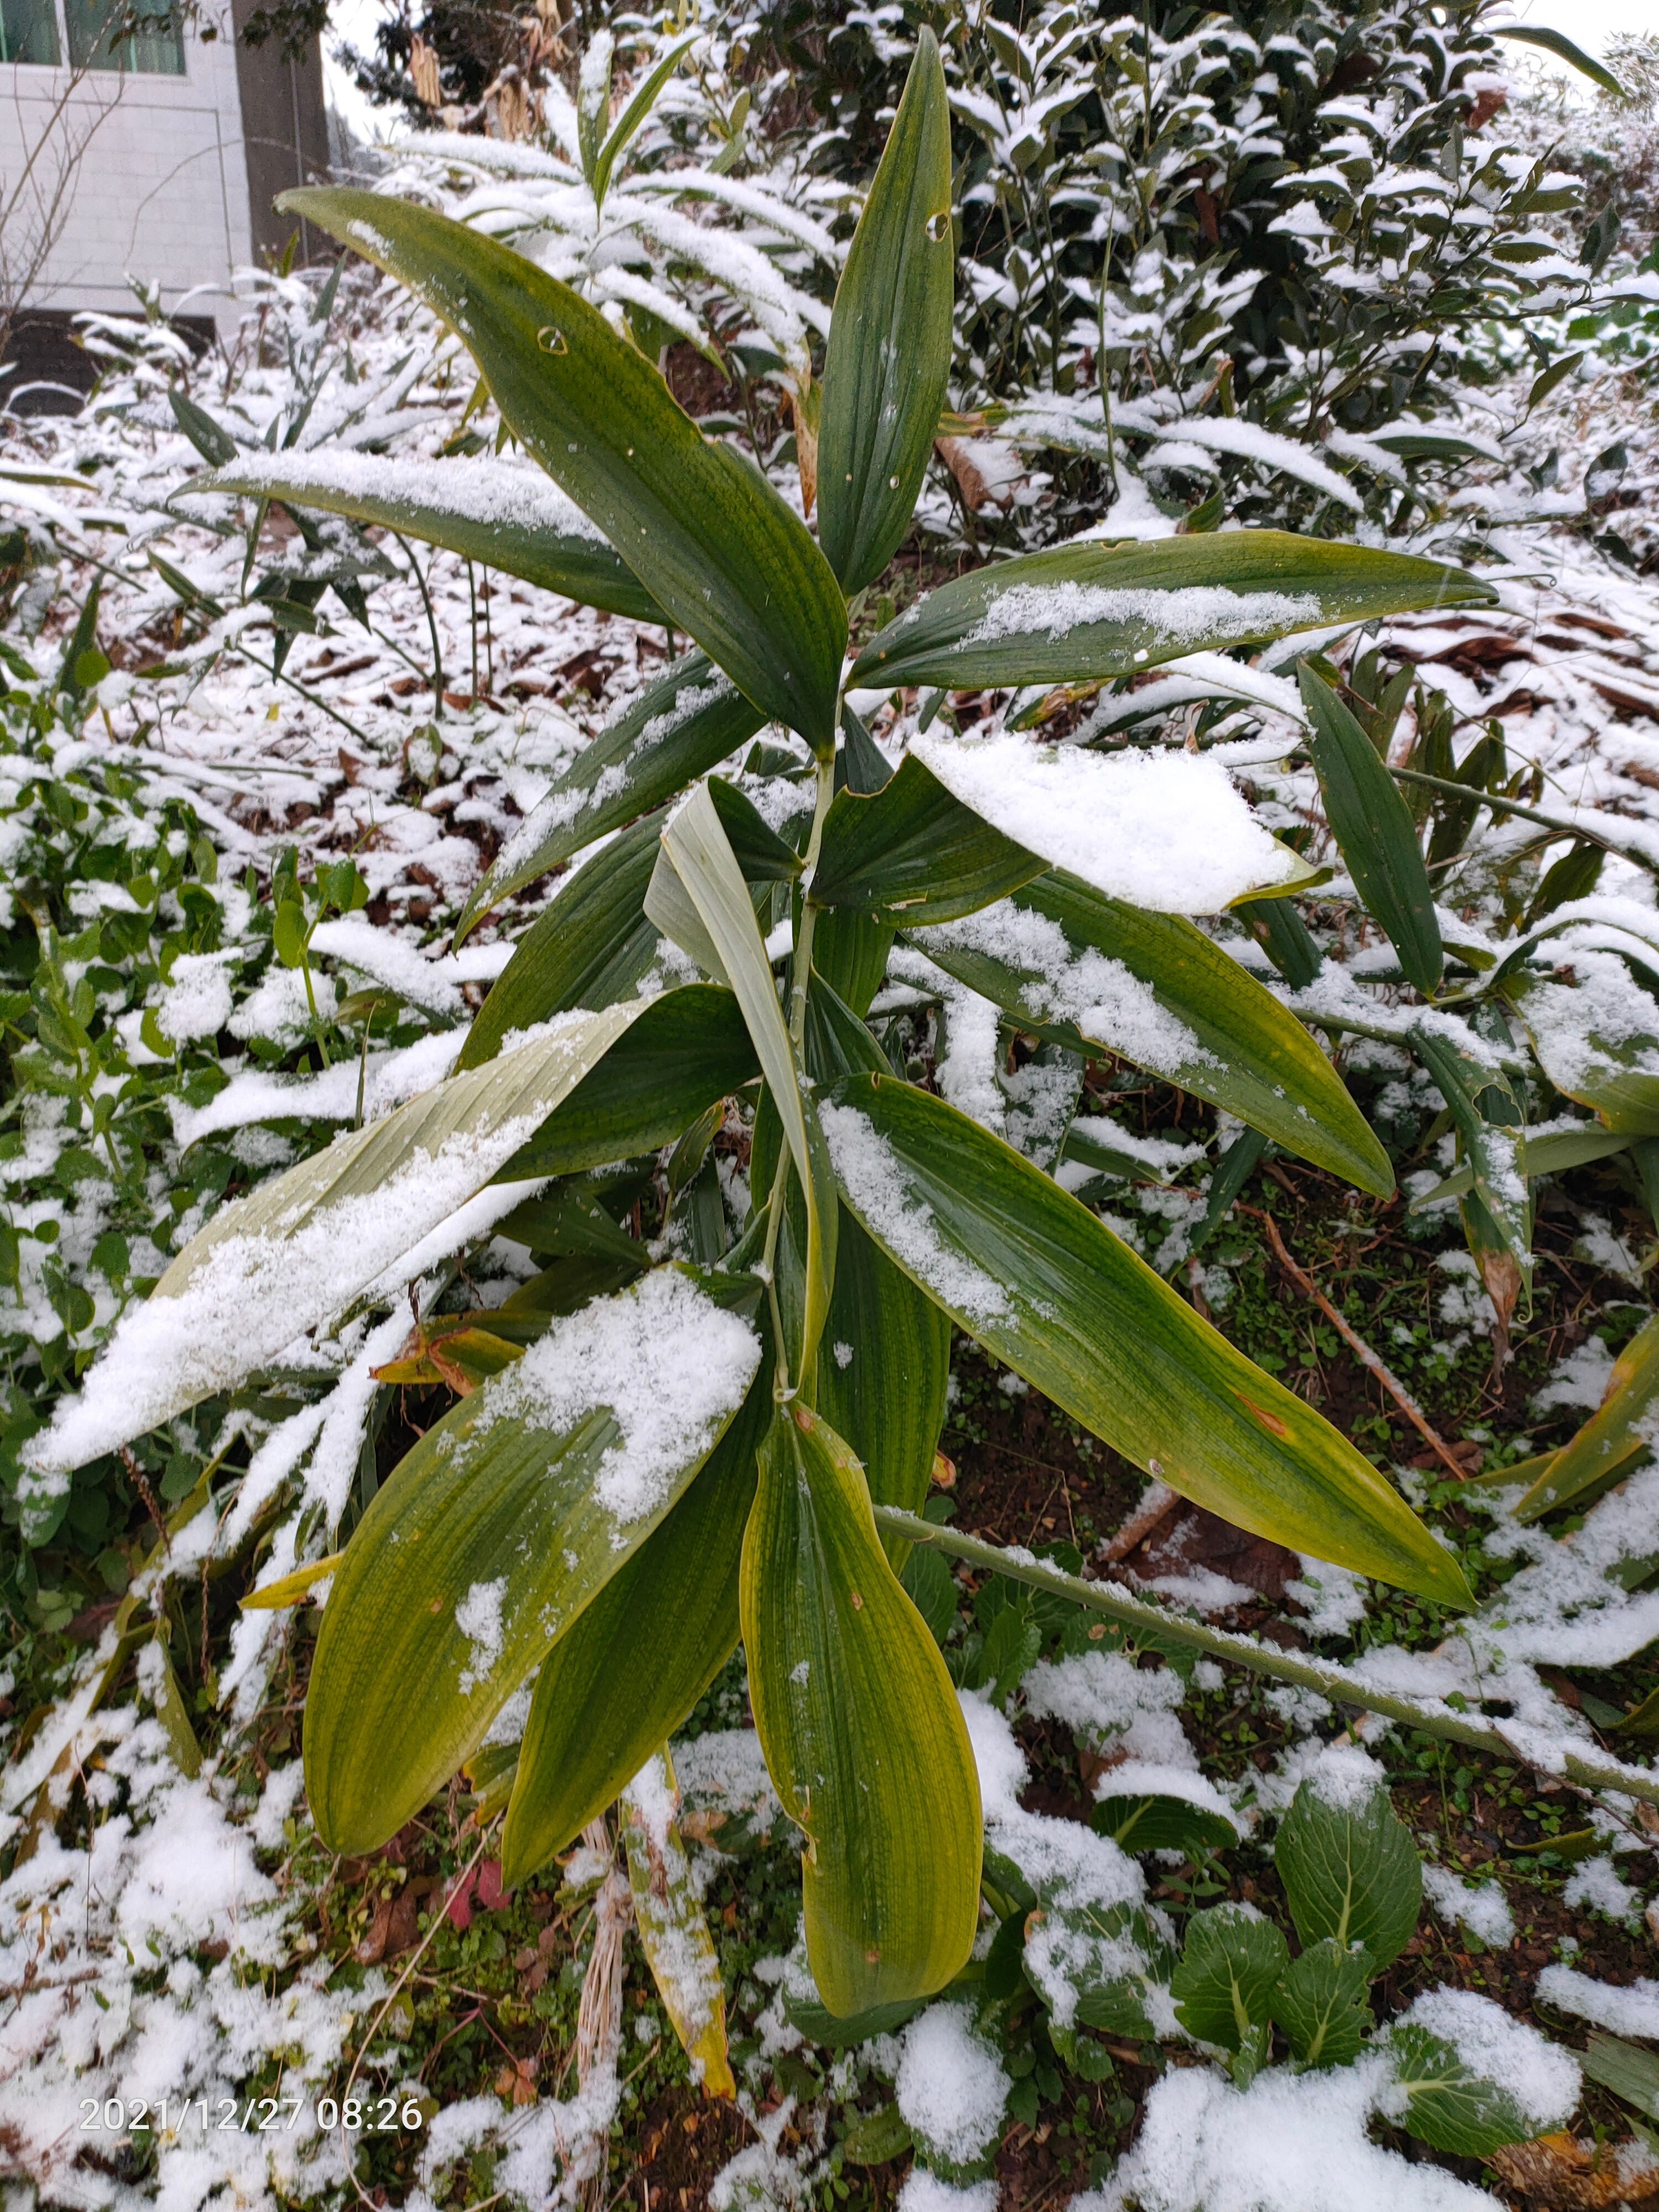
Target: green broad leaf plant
653 1457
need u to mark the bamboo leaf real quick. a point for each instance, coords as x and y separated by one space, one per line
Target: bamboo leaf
631 1667
888 356
677 730
1162 828
1551 1153
510 518
491 1536
1607 1059
302 1246
1499 1187
701 863
590 947
883 1373
862 1733
604 160
706 534
672 1929
1101 975
1559 43
1097 610
681 1052
1374 830
911 853
1611 1436
1043 1283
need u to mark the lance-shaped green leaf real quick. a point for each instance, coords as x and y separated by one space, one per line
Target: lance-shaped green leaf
1082 611
1551 1152
1499 1186
1161 827
629 1669
1229 1968
1349 1867
888 356
674 1931
1374 831
701 897
882 1372
605 160
682 1052
297 1250
1613 1434
496 1531
677 730
1321 2003
862 1733
1043 1283
1597 1038
911 853
703 530
591 945
511 518
1559 43
1100 975
886 1365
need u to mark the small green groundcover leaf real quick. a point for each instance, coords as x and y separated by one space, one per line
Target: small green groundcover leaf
1468 2077
1229 1969
1321 2003
1350 1869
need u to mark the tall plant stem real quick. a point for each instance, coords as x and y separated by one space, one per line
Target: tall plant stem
1327 1676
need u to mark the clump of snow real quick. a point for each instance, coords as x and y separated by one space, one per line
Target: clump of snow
952 2088
1625 2011
1164 830
276 1264
195 1001
1146 1777
1596 1886
1540 2077
925 2192
873 1178
1344 1777
1115 1704
1482 1908
1107 1003
478 1617
1209 612
1581 1378
1079 1876
671 1366
1334 1597
1290 2142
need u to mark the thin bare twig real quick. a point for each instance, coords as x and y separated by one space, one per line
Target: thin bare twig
1356 1343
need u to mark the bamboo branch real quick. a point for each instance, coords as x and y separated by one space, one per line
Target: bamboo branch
1328 1677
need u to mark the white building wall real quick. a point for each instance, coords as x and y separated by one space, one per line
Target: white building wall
159 182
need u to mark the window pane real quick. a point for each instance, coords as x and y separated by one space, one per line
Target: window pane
29 31
157 48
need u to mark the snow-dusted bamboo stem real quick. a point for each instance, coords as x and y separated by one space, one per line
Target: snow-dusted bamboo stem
1342 1685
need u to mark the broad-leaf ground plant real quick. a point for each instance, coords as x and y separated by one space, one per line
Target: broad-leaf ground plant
660 1449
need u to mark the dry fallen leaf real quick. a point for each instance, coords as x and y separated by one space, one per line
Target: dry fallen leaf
1562 2174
